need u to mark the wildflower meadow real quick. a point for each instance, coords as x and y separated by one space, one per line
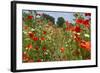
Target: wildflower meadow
47 38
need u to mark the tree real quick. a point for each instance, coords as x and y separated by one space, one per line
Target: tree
60 21
50 18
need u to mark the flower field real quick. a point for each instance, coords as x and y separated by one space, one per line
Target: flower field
45 40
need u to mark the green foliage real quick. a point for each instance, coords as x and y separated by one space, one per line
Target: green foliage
50 18
60 21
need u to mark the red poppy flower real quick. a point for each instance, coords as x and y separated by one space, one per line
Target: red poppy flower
29 46
35 38
39 60
79 21
30 17
44 32
87 14
77 29
31 35
42 38
86 23
70 28
85 45
62 50
44 48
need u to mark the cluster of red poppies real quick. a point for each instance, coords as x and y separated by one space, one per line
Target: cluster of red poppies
84 22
